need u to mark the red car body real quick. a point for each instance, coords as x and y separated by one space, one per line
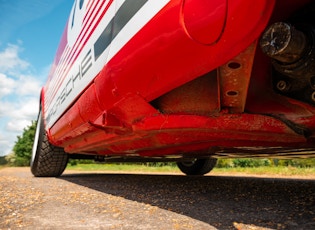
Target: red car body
177 79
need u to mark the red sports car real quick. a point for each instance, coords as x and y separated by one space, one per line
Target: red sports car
179 80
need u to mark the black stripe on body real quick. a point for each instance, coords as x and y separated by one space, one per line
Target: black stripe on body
127 10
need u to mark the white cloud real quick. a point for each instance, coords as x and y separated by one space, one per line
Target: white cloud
22 85
7 85
19 93
10 60
5 144
14 117
18 125
21 109
6 108
28 85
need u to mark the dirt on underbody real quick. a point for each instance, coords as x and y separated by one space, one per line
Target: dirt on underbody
103 200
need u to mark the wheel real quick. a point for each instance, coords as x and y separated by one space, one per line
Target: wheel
47 160
197 166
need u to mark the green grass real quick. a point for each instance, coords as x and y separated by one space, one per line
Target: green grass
269 171
263 170
122 167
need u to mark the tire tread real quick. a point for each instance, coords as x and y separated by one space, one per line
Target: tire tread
50 160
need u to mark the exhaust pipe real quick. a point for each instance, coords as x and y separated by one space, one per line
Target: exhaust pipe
283 42
292 50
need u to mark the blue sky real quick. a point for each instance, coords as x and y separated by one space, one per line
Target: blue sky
30 32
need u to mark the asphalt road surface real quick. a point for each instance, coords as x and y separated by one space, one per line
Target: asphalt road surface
80 200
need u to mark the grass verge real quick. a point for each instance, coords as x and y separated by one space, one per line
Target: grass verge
282 171
123 167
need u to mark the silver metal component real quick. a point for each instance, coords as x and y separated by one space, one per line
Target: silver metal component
283 86
283 42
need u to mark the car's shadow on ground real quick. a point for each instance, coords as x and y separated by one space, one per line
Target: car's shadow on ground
217 200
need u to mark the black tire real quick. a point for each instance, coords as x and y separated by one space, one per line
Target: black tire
47 160
197 166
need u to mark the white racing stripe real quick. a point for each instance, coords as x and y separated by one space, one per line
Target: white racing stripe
86 66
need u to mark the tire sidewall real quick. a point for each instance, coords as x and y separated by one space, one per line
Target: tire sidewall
37 145
197 167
